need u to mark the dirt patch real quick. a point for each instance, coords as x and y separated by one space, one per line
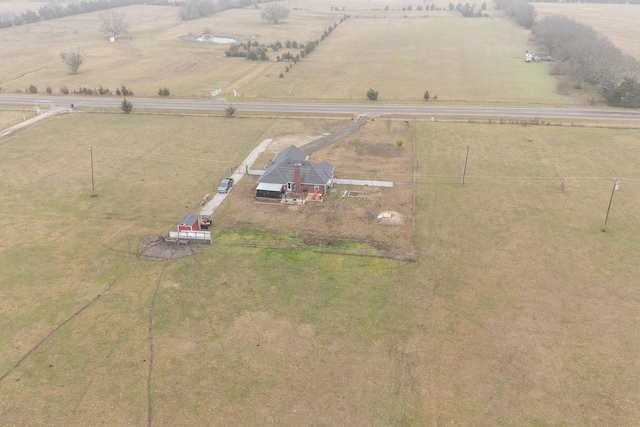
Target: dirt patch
156 247
390 218
281 142
379 149
170 284
359 194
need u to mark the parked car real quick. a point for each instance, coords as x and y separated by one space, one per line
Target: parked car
225 185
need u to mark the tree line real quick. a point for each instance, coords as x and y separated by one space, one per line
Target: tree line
591 58
58 10
254 51
469 11
588 56
194 9
520 11
589 1
189 9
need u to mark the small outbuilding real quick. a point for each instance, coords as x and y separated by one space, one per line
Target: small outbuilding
269 190
189 223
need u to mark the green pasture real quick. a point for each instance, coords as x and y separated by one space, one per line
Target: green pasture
518 311
400 54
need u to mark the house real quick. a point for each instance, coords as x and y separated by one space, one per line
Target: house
291 172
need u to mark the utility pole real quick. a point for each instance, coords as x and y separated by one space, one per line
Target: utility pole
616 185
93 186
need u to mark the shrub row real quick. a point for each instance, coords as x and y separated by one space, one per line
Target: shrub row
305 49
60 10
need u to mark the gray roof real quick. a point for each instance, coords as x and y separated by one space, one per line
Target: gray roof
291 152
281 169
266 186
188 219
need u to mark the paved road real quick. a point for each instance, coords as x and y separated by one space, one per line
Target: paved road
371 108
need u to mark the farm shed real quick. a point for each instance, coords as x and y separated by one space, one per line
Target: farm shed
189 223
290 170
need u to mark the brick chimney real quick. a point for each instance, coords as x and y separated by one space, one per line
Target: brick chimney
297 177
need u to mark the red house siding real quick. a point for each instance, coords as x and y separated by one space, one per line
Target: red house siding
185 227
192 225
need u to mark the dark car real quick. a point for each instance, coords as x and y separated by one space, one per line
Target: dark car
225 185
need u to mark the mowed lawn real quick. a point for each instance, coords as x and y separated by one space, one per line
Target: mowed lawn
518 311
399 54
617 22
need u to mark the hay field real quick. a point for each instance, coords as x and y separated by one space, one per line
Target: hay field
160 50
10 118
519 310
457 59
617 22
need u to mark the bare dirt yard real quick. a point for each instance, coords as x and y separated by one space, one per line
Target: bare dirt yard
158 248
373 217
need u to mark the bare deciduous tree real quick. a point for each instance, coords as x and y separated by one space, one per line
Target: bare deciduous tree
73 59
590 57
274 13
113 23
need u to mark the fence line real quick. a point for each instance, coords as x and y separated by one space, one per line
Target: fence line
363 182
190 236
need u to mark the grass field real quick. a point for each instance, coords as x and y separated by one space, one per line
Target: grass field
459 60
407 59
9 118
617 22
519 310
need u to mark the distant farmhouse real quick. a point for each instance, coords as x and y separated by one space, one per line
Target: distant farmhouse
291 172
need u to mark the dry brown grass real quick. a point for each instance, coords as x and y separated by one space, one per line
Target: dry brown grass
409 57
518 310
11 118
457 59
